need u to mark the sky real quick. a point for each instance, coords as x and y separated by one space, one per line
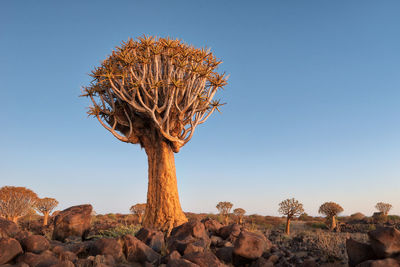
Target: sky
313 103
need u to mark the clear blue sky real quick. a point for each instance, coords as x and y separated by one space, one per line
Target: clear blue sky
313 103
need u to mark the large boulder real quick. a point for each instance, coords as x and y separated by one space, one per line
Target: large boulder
72 222
250 245
46 258
35 243
204 259
152 238
137 251
193 233
211 225
9 249
8 228
107 246
358 252
230 232
385 241
389 262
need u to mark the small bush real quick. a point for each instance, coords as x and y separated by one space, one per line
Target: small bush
118 231
317 225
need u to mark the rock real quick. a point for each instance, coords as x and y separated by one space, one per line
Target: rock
225 254
67 256
181 263
261 262
174 255
9 249
273 258
385 241
152 238
204 259
46 258
389 262
66 263
197 246
190 232
216 241
74 221
250 245
107 246
231 231
8 228
358 252
309 263
211 225
137 251
35 244
21 235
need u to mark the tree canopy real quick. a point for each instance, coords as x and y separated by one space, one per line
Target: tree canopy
291 208
16 201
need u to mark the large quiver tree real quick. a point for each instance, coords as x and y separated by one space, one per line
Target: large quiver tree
291 208
331 210
16 202
46 206
155 92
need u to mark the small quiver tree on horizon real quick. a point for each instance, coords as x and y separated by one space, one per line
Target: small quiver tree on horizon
16 202
330 210
291 208
383 207
155 92
45 206
224 208
139 209
239 212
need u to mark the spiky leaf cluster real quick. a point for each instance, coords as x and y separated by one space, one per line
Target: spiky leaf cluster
330 209
291 208
383 207
46 205
224 207
161 84
138 209
239 212
16 201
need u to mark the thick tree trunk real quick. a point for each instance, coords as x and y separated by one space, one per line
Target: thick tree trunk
140 217
163 209
288 226
333 223
45 219
15 219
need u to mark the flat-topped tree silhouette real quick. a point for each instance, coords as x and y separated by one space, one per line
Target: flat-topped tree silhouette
224 208
330 210
16 202
291 208
155 92
45 206
139 210
383 207
239 212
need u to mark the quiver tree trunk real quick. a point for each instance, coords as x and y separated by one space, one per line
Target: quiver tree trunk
287 226
333 222
45 218
163 209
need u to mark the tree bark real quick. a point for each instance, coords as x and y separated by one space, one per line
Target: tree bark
46 217
288 226
333 223
163 209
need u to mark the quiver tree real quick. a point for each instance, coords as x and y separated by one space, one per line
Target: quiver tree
45 206
239 212
139 210
224 208
16 202
155 92
330 210
383 207
291 208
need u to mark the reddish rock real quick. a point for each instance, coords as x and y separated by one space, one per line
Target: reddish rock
74 221
152 238
389 262
181 263
211 225
185 234
250 245
358 252
20 236
107 246
174 255
385 241
9 249
35 244
8 228
261 262
231 231
137 251
204 259
196 246
44 259
63 264
225 254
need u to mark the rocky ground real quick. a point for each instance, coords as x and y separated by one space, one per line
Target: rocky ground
74 239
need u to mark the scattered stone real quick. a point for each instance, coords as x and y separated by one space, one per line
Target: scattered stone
181 263
250 245
216 241
204 259
225 254
9 249
137 251
107 246
152 238
8 228
231 231
46 258
211 225
35 244
261 262
74 221
389 262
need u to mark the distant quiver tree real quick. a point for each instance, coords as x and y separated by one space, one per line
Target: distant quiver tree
291 208
383 207
330 210
224 207
45 206
139 210
239 212
16 202
155 92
